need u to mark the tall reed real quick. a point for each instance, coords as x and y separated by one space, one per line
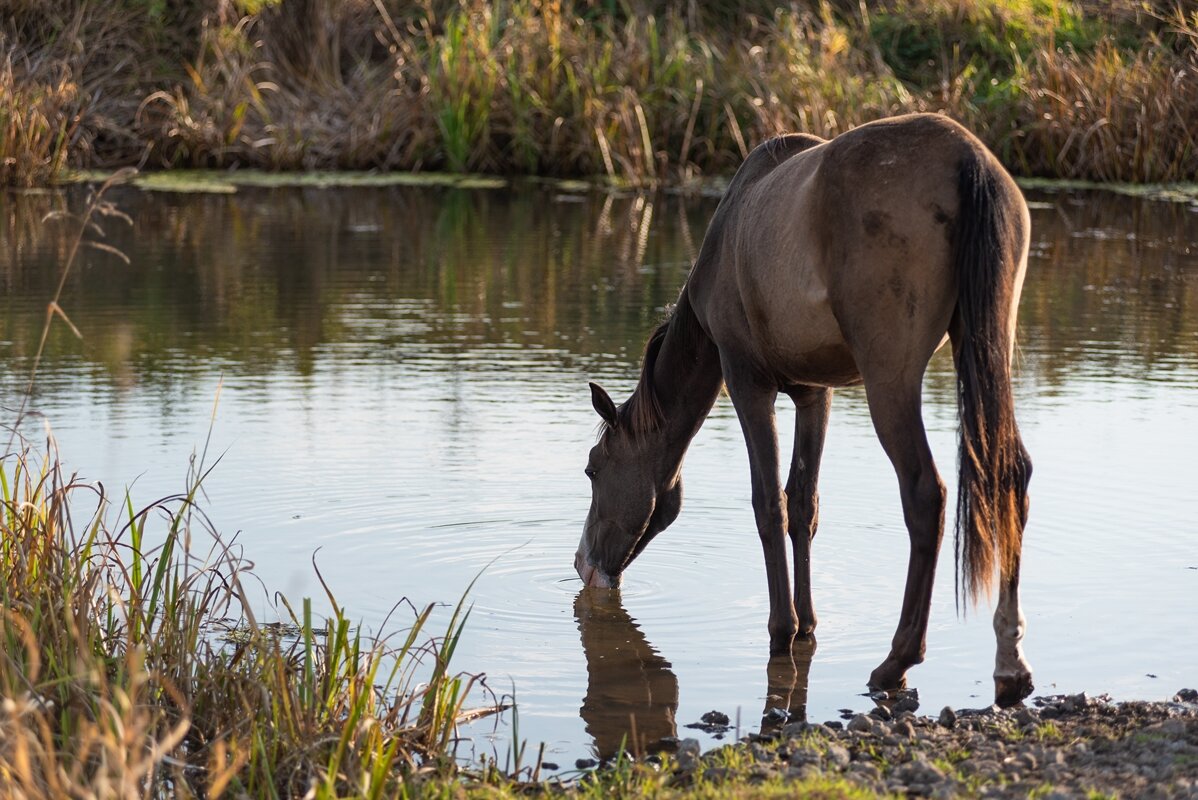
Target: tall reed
639 91
35 127
134 662
135 665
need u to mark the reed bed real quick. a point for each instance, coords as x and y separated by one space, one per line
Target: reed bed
135 662
135 667
637 91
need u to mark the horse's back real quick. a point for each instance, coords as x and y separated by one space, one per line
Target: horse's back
841 254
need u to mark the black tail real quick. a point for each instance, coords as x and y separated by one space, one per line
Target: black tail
994 468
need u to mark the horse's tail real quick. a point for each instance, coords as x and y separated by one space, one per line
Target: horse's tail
994 468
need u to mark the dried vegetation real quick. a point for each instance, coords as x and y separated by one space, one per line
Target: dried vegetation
134 665
638 90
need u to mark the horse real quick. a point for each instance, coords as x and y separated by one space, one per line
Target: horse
830 263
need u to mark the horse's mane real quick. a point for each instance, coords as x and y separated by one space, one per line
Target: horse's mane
642 413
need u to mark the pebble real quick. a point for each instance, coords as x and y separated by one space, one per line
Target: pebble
1143 749
715 718
776 715
1171 727
837 756
861 724
792 729
864 769
1075 702
688 754
1025 716
920 770
948 717
759 773
1186 696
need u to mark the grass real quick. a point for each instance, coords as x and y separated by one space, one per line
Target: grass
637 91
134 662
35 128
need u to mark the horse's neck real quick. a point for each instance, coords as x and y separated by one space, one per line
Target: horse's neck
687 376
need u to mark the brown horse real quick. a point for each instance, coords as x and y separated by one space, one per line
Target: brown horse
827 264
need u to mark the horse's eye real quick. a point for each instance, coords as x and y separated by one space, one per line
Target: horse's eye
590 471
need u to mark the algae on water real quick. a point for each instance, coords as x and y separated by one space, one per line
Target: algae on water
229 181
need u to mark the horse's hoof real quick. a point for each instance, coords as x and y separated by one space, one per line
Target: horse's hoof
780 641
1011 689
780 646
890 675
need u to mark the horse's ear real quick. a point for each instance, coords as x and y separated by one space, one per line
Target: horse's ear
603 404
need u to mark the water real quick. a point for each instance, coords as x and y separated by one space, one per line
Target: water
404 403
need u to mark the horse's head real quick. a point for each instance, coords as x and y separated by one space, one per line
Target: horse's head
635 494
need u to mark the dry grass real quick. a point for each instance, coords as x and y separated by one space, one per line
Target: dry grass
35 127
1111 116
134 665
638 91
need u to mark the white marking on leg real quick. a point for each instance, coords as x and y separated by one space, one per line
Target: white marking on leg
1009 627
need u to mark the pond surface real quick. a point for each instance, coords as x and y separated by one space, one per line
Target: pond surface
404 403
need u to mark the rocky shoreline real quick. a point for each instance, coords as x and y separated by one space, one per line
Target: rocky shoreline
1056 747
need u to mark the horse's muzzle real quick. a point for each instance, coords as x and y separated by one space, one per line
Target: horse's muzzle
592 575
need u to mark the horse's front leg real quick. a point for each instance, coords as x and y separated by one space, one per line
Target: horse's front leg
900 428
755 409
802 494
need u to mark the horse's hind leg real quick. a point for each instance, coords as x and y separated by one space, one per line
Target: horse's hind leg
1012 673
899 424
802 494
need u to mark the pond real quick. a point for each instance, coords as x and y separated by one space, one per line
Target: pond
404 404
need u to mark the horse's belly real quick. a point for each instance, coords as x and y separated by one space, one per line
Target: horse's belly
804 346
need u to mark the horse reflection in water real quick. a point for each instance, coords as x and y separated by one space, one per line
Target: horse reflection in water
786 685
632 693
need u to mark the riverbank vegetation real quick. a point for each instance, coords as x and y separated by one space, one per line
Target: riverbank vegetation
134 665
135 662
639 91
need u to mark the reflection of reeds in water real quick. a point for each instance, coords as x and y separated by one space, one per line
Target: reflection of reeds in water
267 281
276 276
